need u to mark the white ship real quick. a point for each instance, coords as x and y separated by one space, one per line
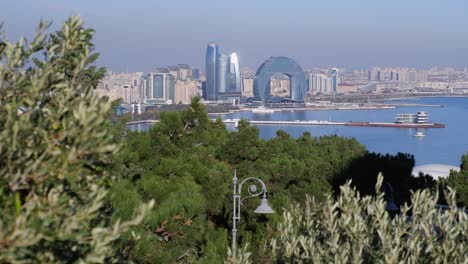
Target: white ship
262 110
419 134
418 118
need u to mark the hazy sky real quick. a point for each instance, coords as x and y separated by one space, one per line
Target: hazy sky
139 35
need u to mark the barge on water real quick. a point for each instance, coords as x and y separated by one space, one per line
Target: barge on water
418 120
397 125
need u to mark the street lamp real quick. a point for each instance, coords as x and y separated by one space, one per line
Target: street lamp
263 208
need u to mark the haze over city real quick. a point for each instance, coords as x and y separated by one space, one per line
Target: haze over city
143 35
240 131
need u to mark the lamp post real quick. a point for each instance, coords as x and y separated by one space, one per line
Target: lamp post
253 191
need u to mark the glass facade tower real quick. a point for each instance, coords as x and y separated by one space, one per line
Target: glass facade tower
146 85
335 80
158 85
222 72
211 57
235 84
170 88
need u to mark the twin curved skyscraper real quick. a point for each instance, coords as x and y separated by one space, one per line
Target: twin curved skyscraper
222 73
223 76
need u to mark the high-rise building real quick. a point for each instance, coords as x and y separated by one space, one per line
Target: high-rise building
203 88
422 76
185 90
234 74
280 85
174 70
211 57
375 75
170 88
320 83
146 86
283 65
162 70
185 71
247 86
412 76
195 74
159 86
335 79
222 72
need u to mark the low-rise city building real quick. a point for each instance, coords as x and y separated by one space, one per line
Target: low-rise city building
345 88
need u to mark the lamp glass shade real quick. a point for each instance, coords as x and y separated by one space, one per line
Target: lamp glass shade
391 206
264 208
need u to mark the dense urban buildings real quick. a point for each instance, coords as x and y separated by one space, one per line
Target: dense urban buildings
277 77
178 84
320 84
169 85
223 81
127 86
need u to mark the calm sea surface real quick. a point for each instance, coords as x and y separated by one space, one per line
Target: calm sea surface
443 145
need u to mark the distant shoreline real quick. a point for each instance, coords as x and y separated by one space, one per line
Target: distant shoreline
419 97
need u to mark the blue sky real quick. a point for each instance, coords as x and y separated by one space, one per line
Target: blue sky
139 35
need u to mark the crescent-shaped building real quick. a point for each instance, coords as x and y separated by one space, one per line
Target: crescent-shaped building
286 66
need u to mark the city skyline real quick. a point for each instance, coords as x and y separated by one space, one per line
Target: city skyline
134 37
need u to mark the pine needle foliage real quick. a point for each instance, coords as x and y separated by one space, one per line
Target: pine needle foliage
459 182
356 229
55 150
173 164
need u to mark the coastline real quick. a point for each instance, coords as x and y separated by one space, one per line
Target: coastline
419 97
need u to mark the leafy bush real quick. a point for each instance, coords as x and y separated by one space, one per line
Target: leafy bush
55 150
356 229
242 256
